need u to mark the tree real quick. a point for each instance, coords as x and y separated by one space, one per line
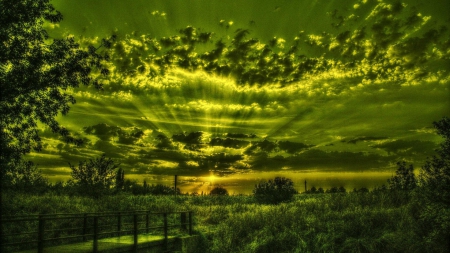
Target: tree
435 174
274 191
35 73
219 191
404 178
27 178
335 189
434 180
120 179
96 176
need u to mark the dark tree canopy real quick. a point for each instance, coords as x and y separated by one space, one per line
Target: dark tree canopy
219 191
95 176
434 180
275 191
36 73
404 178
435 174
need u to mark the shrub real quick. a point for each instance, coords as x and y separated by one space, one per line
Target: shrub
219 190
274 191
26 178
96 176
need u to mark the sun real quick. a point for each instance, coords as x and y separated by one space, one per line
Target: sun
211 178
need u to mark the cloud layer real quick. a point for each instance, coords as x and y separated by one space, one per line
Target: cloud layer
360 96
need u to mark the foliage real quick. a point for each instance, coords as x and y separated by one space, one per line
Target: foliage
120 179
35 73
335 189
96 176
26 178
314 190
361 190
435 174
274 191
219 191
143 189
377 221
404 178
435 192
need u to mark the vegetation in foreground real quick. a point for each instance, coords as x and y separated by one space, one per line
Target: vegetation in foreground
376 221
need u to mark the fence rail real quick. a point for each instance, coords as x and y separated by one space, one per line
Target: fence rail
40 231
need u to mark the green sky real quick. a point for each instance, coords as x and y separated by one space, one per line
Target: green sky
238 88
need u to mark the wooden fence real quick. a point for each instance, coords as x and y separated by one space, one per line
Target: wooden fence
41 231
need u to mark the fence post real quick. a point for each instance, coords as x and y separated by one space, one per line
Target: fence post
165 230
84 227
119 224
95 246
146 222
190 222
183 221
135 232
41 234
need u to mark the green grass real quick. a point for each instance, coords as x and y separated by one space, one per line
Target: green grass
352 222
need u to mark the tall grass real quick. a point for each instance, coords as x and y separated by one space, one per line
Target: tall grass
355 222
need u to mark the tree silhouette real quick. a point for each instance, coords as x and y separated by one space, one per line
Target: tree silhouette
120 179
96 176
404 178
434 179
35 72
219 191
274 191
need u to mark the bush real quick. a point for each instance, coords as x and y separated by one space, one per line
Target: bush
96 176
219 190
275 191
26 178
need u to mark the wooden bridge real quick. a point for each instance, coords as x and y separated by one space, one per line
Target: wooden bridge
139 231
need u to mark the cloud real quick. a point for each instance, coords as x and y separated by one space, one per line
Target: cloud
321 160
364 138
196 101
229 143
408 147
105 133
292 147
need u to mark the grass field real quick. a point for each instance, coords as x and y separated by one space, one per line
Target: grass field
377 221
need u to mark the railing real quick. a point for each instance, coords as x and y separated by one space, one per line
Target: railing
40 231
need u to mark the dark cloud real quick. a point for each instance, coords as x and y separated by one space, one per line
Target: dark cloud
102 131
264 146
240 135
363 138
109 149
408 147
164 142
106 133
292 147
229 143
367 30
130 137
188 138
318 159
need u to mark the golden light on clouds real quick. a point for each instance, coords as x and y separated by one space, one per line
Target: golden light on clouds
228 93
